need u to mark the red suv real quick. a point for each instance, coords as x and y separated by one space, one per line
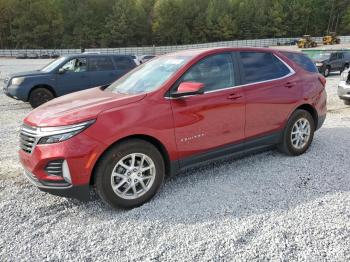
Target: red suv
173 112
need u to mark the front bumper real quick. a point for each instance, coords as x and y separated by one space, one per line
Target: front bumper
19 92
79 153
344 90
78 192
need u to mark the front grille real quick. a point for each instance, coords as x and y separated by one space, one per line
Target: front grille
28 138
54 168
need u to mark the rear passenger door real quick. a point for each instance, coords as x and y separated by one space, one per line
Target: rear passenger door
335 62
271 91
123 65
102 70
341 60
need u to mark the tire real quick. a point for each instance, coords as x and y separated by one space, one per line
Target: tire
113 168
287 144
327 71
40 96
347 102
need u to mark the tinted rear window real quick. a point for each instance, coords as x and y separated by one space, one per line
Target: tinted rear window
302 60
262 66
100 63
123 62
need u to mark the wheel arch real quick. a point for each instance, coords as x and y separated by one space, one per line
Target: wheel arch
48 87
309 108
155 142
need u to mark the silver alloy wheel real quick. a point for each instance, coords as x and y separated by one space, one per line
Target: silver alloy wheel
133 176
300 134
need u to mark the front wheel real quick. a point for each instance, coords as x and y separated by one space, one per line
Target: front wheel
347 102
298 133
327 71
40 96
129 174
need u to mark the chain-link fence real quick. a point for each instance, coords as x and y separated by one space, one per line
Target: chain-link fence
158 50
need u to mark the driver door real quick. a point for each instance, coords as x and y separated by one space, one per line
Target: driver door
213 119
73 76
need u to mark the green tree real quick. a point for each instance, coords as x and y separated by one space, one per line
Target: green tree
36 24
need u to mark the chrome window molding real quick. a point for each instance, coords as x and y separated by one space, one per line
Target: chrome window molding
291 72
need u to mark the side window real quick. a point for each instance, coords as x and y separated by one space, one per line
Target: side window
76 65
333 56
302 60
123 63
340 55
262 66
100 63
215 72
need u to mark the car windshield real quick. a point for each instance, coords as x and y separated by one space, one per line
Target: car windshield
53 65
149 76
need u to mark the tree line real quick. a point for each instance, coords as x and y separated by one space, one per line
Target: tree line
117 23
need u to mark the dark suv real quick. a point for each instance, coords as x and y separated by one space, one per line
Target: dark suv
65 75
327 62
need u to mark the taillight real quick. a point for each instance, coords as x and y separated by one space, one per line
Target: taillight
322 80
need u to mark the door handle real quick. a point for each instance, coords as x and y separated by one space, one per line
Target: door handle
289 84
234 96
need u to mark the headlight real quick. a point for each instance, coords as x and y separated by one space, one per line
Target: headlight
344 76
50 135
319 64
17 81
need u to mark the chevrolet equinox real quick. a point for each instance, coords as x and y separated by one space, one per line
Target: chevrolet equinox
173 112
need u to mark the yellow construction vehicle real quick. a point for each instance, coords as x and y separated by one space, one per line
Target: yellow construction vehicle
306 42
331 39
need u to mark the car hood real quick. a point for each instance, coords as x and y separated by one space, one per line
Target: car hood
78 107
29 73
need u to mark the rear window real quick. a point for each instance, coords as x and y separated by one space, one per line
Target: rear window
100 63
262 66
123 62
302 60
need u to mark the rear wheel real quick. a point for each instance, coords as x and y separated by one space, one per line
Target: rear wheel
298 133
347 102
40 96
129 174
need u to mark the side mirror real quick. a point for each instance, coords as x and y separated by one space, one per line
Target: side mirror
188 89
61 70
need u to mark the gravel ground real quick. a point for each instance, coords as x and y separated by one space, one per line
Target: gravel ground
262 207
